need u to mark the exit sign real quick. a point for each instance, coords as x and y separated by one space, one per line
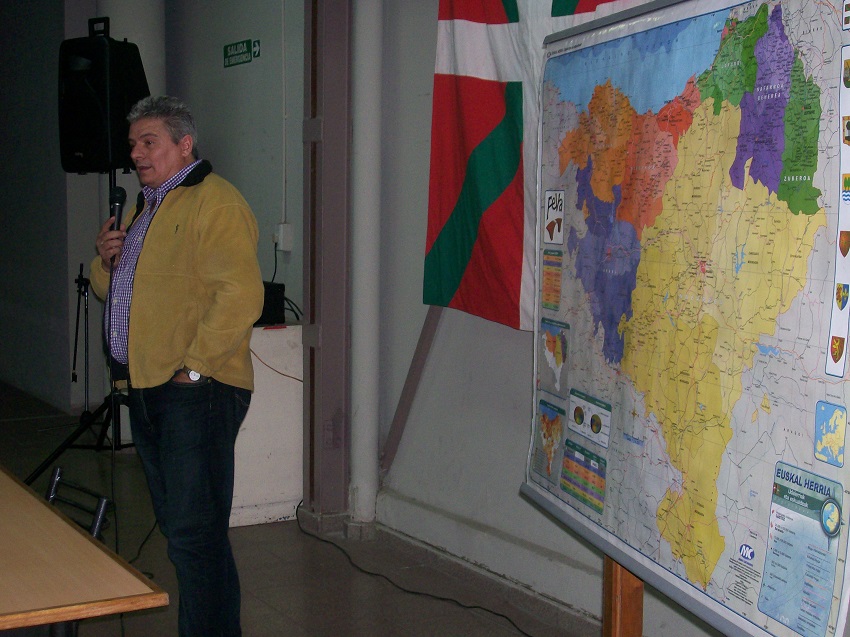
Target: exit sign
241 52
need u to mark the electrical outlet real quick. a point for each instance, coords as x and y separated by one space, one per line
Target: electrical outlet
284 237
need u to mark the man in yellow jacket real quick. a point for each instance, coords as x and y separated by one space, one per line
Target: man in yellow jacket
183 289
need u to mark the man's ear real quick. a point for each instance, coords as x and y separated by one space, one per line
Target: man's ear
186 145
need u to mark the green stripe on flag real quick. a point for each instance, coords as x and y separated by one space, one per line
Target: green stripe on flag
563 7
512 10
492 166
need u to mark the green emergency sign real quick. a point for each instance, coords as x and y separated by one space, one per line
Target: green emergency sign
241 52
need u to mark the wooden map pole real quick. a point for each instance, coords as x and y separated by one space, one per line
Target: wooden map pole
622 612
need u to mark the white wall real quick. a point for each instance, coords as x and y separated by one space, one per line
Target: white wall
454 483
252 137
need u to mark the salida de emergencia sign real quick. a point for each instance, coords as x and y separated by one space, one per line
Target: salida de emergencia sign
241 52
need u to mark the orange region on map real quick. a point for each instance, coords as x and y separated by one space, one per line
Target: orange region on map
603 134
635 152
676 116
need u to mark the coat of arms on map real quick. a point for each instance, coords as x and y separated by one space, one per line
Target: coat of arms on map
844 242
842 291
836 348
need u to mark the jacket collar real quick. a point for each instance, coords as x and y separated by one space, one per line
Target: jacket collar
195 176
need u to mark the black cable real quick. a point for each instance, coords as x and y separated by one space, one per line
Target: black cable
398 586
142 546
274 274
290 305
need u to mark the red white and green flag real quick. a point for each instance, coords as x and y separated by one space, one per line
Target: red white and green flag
480 246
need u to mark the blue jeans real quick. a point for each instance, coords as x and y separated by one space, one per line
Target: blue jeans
185 436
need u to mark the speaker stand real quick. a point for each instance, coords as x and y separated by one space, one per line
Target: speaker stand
108 414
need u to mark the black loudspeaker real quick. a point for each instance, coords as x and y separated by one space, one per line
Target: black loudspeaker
100 80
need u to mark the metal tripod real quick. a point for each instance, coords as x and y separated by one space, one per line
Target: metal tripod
106 415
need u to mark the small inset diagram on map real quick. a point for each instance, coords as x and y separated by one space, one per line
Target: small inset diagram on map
553 223
845 22
550 295
801 562
590 417
583 476
830 429
552 356
547 441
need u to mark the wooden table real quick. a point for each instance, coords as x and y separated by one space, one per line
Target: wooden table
52 571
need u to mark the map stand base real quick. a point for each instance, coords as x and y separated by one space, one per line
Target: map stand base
622 605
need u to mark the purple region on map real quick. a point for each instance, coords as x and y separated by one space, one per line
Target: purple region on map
762 135
606 260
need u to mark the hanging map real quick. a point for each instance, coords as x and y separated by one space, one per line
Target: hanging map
690 400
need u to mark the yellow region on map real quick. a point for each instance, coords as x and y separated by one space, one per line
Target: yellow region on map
699 309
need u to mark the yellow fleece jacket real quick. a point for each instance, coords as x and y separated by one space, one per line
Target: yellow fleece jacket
197 289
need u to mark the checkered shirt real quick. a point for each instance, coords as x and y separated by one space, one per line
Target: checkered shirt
117 316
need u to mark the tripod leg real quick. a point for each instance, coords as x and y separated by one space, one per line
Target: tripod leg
113 415
86 421
104 426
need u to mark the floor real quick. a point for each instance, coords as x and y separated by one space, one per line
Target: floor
293 584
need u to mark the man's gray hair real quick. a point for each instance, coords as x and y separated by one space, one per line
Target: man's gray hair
173 113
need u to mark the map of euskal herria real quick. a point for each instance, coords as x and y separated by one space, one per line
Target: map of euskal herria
703 301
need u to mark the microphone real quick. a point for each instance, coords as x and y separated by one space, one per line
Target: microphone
117 197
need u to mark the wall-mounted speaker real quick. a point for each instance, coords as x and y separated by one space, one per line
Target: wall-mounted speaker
100 79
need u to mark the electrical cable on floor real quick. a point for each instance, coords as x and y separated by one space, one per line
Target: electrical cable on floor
398 586
141 546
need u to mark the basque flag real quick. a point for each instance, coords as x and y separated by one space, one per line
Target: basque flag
480 245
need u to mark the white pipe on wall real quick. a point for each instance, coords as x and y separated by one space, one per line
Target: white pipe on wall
365 173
